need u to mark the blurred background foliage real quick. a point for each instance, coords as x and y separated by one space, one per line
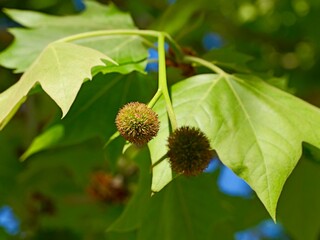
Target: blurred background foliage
76 191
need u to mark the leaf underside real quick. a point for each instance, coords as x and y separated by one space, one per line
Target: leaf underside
96 102
23 51
61 68
256 129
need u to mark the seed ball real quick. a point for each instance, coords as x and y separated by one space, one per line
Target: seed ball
189 151
137 123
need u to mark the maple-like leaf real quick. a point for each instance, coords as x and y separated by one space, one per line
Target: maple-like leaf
59 67
60 70
256 129
42 29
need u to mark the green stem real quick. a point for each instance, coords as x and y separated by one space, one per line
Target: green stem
79 36
174 46
163 81
147 33
206 64
155 98
163 88
114 136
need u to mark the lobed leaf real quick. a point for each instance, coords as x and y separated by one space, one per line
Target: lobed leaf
60 69
256 129
197 210
98 103
42 29
34 48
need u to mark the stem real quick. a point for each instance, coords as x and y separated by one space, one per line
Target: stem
148 33
155 98
114 136
205 63
163 81
164 157
175 46
75 37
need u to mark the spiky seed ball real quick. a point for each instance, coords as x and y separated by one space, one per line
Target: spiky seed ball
137 123
189 151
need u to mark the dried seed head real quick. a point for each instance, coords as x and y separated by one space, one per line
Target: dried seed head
189 151
107 188
137 123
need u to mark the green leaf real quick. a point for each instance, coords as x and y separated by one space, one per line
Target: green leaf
79 159
136 208
99 14
98 102
63 176
229 58
60 69
299 208
129 52
161 171
256 129
44 29
187 203
10 166
180 205
122 49
312 153
197 211
181 14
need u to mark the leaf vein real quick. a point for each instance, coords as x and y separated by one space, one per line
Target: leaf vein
228 81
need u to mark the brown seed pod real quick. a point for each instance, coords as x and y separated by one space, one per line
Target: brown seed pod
137 123
189 151
107 188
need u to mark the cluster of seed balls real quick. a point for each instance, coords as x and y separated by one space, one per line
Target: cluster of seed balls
189 150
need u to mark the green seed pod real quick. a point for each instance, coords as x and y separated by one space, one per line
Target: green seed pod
189 151
137 123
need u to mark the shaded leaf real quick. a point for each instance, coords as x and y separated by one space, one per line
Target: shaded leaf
193 208
70 165
229 58
98 103
10 166
299 208
256 129
132 216
181 14
63 175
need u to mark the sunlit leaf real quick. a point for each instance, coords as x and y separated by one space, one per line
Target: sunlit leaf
42 29
60 70
256 129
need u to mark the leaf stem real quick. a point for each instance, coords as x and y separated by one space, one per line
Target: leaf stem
162 79
79 36
155 98
146 33
114 136
205 63
174 46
